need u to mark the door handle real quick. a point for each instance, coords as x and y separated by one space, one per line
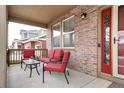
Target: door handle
115 40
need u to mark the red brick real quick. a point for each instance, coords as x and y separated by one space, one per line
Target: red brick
84 55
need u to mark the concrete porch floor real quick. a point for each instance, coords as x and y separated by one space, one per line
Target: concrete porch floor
18 78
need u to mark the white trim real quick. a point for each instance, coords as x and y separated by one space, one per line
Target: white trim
114 34
61 35
120 76
37 46
115 46
68 18
56 47
34 39
68 47
66 33
56 24
59 23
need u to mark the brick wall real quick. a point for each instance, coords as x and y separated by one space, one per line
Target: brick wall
84 55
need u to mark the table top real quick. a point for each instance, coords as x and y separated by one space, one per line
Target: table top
31 62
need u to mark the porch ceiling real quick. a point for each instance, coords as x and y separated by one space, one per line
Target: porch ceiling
38 14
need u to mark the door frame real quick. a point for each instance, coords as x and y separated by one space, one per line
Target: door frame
115 46
105 67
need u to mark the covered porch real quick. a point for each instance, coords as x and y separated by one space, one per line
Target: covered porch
18 78
80 26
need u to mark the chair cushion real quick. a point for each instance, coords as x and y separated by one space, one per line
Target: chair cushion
25 58
54 67
46 60
66 57
58 53
55 60
28 53
51 53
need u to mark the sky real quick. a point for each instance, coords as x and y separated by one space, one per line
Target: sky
14 30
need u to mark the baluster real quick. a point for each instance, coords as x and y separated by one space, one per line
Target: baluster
16 56
36 52
12 56
19 56
8 60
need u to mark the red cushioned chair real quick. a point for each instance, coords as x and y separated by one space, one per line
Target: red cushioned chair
50 56
27 54
53 56
58 67
58 55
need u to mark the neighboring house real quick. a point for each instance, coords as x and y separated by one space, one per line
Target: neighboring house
16 44
27 34
30 39
35 43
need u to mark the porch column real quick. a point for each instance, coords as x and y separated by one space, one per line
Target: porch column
3 45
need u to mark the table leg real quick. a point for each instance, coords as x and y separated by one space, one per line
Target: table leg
21 63
25 67
37 69
30 70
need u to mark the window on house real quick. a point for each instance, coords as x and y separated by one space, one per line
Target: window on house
25 35
38 47
63 37
56 39
68 32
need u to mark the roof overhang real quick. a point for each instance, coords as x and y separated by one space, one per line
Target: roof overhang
38 15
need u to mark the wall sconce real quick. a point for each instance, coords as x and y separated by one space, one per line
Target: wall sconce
83 15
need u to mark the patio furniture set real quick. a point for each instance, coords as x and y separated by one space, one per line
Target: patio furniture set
56 61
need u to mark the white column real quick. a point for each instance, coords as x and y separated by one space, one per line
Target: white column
3 45
115 34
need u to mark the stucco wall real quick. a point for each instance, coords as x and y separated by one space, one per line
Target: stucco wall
84 55
27 45
41 43
31 45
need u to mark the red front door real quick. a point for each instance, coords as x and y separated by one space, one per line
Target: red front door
106 40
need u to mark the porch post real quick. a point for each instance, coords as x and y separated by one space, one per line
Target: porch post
3 46
115 35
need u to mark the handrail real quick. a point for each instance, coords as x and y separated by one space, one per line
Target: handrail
14 55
